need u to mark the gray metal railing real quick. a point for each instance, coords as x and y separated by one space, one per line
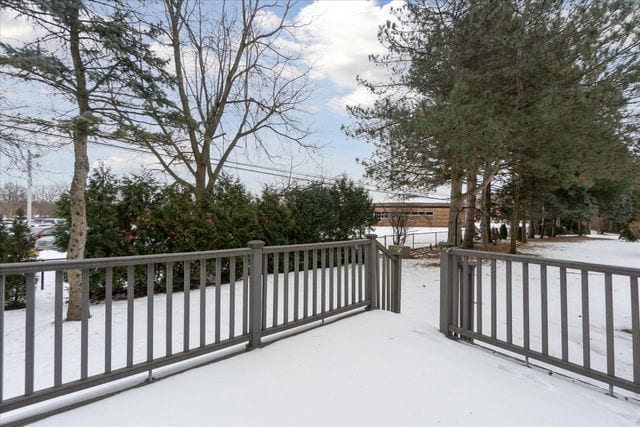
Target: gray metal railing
583 318
424 239
238 297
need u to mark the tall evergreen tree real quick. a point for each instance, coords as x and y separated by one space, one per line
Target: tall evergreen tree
91 55
515 91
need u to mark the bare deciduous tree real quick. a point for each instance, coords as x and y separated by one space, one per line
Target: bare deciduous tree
398 215
239 80
12 197
45 197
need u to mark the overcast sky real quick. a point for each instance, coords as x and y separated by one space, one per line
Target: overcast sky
339 40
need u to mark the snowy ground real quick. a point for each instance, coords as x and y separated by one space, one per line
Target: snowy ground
376 368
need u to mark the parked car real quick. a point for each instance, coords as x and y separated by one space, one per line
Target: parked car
45 237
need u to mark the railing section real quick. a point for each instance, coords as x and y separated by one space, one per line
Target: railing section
162 309
424 239
580 317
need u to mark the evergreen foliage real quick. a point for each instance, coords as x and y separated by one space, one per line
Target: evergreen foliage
136 215
536 97
16 245
90 55
503 232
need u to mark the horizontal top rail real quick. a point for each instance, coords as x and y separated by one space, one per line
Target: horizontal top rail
311 246
37 266
577 265
384 250
415 234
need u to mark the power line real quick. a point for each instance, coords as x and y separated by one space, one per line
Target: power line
253 168
265 170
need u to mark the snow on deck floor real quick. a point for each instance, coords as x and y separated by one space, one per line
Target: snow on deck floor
372 369
375 368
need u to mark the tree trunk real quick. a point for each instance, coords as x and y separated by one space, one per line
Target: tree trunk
523 238
485 206
470 217
514 233
78 226
532 229
456 205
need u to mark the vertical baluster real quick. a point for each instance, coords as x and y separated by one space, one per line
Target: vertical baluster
544 314
169 311
383 301
187 303
276 262
315 283
353 275
586 336
306 284
525 304
608 298
84 327
58 307
479 296
150 277
494 300
265 271
465 303
218 302
360 267
389 291
346 275
296 283
29 339
245 294
323 280
330 279
509 303
338 278
203 302
130 293
635 328
564 324
455 292
108 295
232 297
285 270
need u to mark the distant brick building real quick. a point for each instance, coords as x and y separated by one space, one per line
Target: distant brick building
419 214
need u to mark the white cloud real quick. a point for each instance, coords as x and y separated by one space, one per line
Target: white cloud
357 96
127 165
339 40
14 27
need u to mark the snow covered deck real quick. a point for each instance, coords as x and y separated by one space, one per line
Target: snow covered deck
376 368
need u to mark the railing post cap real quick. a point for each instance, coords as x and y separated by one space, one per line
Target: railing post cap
256 244
371 236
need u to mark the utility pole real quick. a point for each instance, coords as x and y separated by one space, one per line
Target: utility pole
29 185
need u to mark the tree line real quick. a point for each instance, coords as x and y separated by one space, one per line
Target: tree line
526 108
138 215
13 197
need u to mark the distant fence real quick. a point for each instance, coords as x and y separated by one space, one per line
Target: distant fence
254 292
417 240
580 317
